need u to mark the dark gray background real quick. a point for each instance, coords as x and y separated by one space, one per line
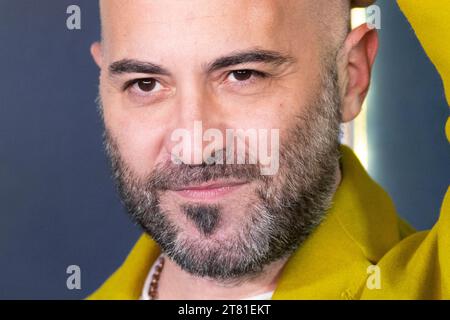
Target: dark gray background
58 205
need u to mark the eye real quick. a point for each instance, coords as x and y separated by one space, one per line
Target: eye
241 75
244 75
144 86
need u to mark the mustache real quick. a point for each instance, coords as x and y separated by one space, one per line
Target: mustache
169 176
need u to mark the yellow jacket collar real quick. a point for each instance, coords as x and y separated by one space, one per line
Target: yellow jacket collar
360 227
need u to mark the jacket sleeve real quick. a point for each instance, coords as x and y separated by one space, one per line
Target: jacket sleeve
419 266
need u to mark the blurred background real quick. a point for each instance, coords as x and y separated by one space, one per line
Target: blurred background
58 205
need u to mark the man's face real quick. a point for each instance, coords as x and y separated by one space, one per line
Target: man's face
258 65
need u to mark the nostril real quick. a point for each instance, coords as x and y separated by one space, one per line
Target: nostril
200 165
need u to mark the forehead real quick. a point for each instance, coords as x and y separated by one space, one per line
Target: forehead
208 27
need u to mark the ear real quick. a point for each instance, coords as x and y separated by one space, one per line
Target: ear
360 50
96 52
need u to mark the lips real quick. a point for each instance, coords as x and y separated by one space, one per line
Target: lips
209 191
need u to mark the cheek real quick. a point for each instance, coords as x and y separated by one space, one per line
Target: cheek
279 111
140 147
139 143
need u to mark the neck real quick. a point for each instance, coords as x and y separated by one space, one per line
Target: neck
177 284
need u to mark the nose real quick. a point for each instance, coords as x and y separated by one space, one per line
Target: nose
197 128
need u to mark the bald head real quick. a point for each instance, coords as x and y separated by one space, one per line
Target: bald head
286 20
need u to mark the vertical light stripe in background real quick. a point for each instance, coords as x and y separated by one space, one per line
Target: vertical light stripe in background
355 132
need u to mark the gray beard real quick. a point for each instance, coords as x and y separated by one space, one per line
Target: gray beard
288 206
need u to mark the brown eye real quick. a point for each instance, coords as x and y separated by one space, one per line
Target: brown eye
242 75
146 85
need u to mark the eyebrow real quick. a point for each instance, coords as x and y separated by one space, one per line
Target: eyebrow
136 66
255 55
